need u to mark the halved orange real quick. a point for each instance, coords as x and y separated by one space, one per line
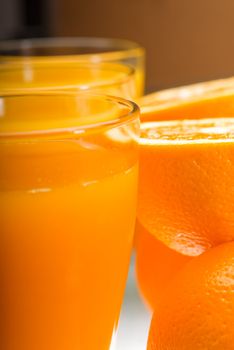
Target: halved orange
204 100
157 263
186 183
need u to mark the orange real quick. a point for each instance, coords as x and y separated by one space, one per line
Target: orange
197 311
186 183
156 264
203 100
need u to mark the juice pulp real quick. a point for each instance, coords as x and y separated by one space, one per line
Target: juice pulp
67 221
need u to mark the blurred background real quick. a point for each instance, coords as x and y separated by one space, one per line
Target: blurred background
185 41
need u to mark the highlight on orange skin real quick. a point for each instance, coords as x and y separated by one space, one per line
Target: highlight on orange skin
204 100
156 265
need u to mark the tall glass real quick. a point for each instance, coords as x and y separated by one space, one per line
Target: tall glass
95 50
25 76
68 190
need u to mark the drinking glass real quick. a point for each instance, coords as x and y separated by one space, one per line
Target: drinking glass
25 76
68 190
82 49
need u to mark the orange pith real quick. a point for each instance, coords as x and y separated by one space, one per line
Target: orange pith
197 310
186 185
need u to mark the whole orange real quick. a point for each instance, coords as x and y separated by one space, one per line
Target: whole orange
156 265
197 310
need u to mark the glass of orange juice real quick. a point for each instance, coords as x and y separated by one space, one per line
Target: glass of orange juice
68 189
111 78
82 49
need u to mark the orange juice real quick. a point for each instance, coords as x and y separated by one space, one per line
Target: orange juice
68 202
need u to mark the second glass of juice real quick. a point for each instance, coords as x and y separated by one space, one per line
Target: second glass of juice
78 49
27 76
68 189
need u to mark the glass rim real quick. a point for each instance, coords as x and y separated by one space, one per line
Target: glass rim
122 48
126 74
66 132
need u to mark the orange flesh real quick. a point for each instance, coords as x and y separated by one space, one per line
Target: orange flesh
203 100
187 131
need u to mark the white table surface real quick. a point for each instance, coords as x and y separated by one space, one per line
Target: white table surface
134 320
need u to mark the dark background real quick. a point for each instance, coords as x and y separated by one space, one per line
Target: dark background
186 40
